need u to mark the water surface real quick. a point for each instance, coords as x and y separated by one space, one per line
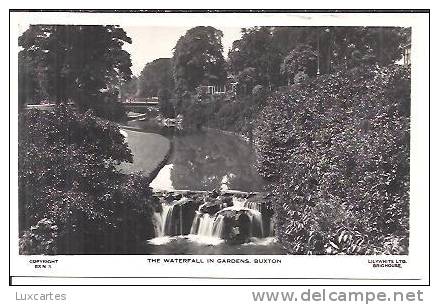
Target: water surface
192 244
206 160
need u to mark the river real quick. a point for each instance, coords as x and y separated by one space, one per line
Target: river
206 160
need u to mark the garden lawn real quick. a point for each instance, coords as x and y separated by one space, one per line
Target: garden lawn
149 150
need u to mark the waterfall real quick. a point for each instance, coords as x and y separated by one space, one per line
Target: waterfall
240 203
253 205
207 225
218 226
257 227
170 222
163 221
195 223
167 219
252 208
158 224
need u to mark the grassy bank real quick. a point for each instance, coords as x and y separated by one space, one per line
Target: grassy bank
149 151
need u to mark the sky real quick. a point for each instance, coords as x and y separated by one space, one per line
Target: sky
152 42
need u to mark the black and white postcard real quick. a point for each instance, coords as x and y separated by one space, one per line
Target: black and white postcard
219 147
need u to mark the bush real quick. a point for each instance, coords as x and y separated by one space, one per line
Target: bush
338 147
39 238
300 61
67 175
259 93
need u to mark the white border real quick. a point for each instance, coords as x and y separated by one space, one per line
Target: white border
342 267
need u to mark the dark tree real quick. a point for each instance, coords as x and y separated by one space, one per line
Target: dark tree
198 59
165 104
302 59
255 50
156 75
72 197
247 79
80 63
263 49
347 47
130 88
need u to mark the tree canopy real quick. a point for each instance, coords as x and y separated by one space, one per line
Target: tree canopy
198 59
255 50
155 76
302 58
267 50
81 63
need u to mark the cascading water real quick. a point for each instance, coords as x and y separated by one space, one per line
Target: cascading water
215 226
218 226
157 221
257 225
167 219
207 225
163 221
253 205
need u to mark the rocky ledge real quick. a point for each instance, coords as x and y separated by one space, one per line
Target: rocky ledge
245 214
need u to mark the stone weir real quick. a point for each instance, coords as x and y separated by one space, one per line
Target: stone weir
233 216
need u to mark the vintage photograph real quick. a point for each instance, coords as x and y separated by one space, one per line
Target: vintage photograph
219 140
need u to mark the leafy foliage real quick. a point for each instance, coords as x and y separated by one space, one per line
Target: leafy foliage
269 58
198 59
229 113
39 239
267 50
165 103
79 63
246 80
338 147
257 52
130 89
302 59
67 175
156 76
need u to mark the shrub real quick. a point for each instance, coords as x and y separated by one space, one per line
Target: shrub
338 147
39 238
259 94
67 175
300 61
258 90
223 111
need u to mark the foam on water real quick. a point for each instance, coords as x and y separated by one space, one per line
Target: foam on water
261 241
205 240
162 240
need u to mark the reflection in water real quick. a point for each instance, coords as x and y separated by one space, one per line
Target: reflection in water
163 180
206 160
